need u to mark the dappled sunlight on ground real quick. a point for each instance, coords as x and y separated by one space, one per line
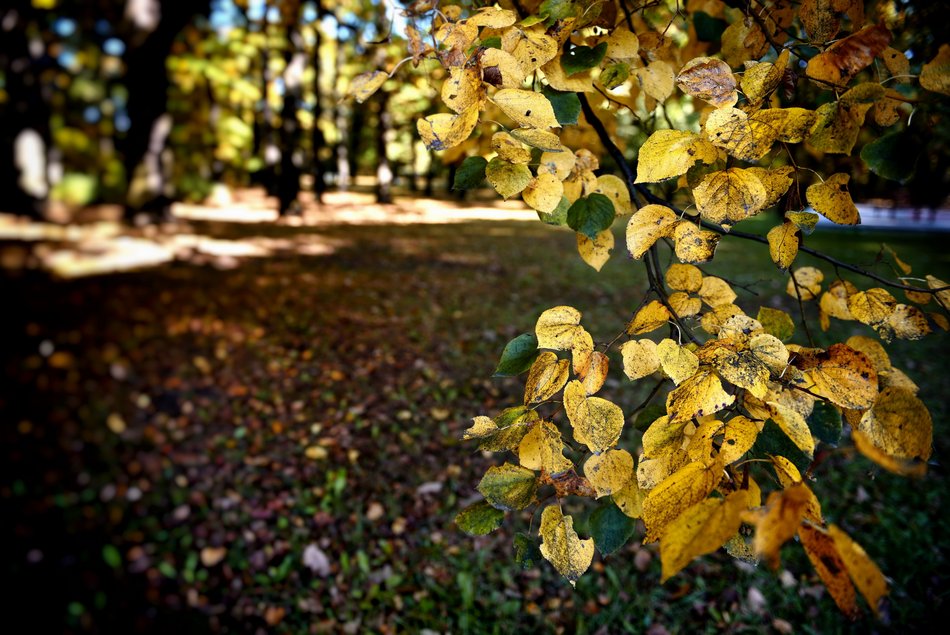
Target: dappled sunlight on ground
220 233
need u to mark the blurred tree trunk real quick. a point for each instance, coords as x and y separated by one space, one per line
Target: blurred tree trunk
317 140
384 137
264 146
342 150
288 178
152 27
24 118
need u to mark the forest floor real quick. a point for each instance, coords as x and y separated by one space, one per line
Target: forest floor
257 430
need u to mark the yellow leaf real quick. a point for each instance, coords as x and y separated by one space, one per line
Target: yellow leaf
622 44
744 138
713 321
527 107
609 472
365 85
837 124
558 79
507 178
793 425
559 164
866 575
809 283
692 244
820 19
582 349
784 240
783 515
494 18
834 301
737 329
776 182
769 350
825 557
743 40
873 350
943 297
899 466
630 498
740 369
677 493
791 125
684 278
510 149
678 362
664 437
594 374
534 49
656 79
710 80
501 69
463 88
444 131
543 193
647 226
935 74
841 375
651 472
833 200
699 530
597 422
640 358
844 59
762 78
899 425
616 190
543 449
907 322
897 64
739 435
481 427
716 291
667 154
556 328
562 547
872 306
729 196
700 395
683 305
541 139
546 377
649 318
596 252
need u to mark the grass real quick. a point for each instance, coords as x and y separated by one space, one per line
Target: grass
379 354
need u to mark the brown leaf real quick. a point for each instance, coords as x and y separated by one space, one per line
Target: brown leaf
846 58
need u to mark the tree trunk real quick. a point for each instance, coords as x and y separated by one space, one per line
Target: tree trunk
384 136
153 26
317 140
288 179
342 148
24 118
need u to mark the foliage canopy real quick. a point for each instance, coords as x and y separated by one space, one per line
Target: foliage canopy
735 99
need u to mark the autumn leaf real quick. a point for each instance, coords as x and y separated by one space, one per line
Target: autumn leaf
729 196
510 149
646 226
596 252
556 328
935 74
444 131
710 80
780 521
743 137
667 154
699 530
700 395
528 108
805 282
692 244
838 123
543 193
847 57
463 89
784 241
739 434
597 422
501 69
865 574
823 553
678 362
899 425
833 200
677 493
508 487
365 85
507 178
841 374
716 291
616 191
686 278
649 318
776 322
542 449
609 471
763 77
546 377
640 358
562 547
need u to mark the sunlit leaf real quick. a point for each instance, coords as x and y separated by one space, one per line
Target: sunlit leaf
528 108
508 487
845 58
507 178
699 530
640 358
542 449
710 80
780 521
729 196
701 394
677 493
561 546
479 519
547 376
832 198
667 154
649 318
557 327
609 471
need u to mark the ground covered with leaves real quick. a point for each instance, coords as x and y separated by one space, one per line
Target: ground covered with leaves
274 446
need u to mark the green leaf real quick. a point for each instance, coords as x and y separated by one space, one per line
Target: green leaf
111 556
773 441
559 9
527 553
892 156
508 487
567 106
614 75
776 323
648 415
470 174
518 355
559 215
492 42
582 58
513 424
610 528
479 519
591 215
825 423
